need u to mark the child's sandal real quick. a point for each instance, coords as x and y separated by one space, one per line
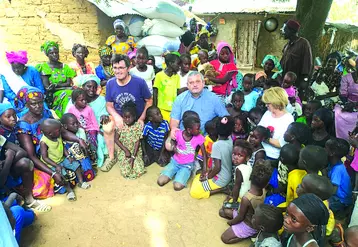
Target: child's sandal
71 196
84 185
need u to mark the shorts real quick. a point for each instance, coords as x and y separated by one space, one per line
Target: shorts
68 165
182 172
242 230
200 190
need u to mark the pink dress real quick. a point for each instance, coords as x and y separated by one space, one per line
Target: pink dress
292 92
186 149
86 118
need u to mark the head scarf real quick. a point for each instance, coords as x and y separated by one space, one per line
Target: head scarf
4 107
104 51
223 44
119 22
326 116
202 32
17 57
260 74
83 79
276 63
47 45
25 94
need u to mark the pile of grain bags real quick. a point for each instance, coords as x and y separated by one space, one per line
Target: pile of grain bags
162 28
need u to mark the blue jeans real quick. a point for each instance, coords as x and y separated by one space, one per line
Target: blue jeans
182 172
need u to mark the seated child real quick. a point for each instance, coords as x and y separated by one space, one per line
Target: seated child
185 61
166 85
257 136
240 131
338 148
237 100
298 134
241 226
182 163
70 123
155 131
128 140
215 180
268 220
142 70
56 157
86 118
321 187
254 117
312 215
250 95
310 108
322 92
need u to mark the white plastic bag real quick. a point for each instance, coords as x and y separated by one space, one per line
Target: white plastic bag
157 45
161 27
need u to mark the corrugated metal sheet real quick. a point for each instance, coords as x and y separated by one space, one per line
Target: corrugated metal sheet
115 8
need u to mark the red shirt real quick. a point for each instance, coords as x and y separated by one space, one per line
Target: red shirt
223 68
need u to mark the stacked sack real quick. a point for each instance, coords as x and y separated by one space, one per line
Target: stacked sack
162 29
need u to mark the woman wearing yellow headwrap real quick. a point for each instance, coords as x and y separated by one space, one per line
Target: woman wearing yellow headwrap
201 42
104 70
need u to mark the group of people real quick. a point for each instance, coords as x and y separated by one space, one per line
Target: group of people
280 154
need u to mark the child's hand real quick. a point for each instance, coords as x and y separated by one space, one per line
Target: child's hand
132 161
203 177
59 169
127 153
230 223
20 200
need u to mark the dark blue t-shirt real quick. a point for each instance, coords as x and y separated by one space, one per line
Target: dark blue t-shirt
136 90
339 177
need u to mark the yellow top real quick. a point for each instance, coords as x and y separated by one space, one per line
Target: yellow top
167 89
119 47
54 151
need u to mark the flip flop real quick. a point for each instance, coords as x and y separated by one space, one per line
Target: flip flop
71 196
84 185
341 234
41 207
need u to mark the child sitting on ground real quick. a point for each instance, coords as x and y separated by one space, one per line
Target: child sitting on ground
298 134
86 118
250 95
305 219
240 131
237 100
215 180
155 132
338 148
310 108
241 226
257 136
182 163
56 156
322 92
268 220
321 126
142 70
166 85
70 123
254 117
128 140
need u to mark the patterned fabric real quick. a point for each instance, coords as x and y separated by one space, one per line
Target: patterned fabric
104 51
128 136
120 47
43 185
17 57
25 94
88 69
47 45
155 137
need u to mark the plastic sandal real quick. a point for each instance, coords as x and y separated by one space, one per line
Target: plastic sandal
41 207
71 196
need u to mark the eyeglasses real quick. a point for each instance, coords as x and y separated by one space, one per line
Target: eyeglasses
119 68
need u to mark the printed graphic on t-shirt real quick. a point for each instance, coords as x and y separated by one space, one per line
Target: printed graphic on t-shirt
123 98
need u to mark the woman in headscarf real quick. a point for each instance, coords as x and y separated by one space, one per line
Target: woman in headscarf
17 76
121 43
56 77
80 66
272 67
305 219
104 70
29 133
202 42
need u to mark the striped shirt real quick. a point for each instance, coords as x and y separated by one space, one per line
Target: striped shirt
155 137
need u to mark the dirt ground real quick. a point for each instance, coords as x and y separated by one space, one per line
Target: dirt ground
120 212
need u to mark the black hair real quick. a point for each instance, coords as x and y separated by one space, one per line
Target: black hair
190 114
301 132
292 75
149 111
67 116
204 51
189 122
319 185
76 46
244 123
313 158
327 118
237 94
130 107
117 58
210 126
49 121
289 155
76 93
249 75
339 146
316 103
225 126
256 110
272 83
171 58
185 56
143 50
272 218
261 174
264 132
244 145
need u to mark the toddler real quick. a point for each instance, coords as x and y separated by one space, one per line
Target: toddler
268 220
310 108
128 140
237 100
182 163
70 123
257 136
215 180
56 157
142 70
241 226
250 95
240 131
86 118
338 148
203 58
298 134
155 132
166 85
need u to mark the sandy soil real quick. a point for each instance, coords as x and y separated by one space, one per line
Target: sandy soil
119 212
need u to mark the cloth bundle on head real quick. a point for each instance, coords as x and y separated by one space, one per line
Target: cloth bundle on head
4 107
119 22
47 45
104 51
83 79
293 25
17 57
25 94
260 74
276 63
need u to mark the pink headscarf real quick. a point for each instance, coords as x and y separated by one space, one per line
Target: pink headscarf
17 57
220 46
